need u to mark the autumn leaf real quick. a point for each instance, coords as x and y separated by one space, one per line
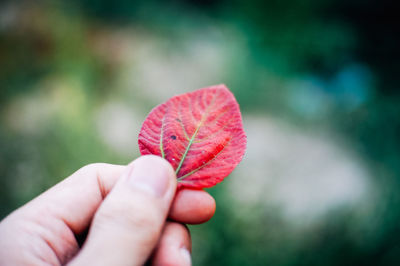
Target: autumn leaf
200 133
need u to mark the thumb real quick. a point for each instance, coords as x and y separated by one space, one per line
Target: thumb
128 224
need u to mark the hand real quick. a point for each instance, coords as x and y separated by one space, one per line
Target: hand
123 209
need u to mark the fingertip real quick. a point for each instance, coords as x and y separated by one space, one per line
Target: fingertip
192 206
152 174
157 162
174 247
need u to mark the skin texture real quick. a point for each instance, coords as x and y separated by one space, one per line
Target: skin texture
124 209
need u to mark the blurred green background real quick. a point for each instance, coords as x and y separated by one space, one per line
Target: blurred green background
317 81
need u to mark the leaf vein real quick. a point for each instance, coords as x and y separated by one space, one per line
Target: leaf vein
201 166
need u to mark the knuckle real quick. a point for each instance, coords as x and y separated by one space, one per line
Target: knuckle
93 167
132 214
145 216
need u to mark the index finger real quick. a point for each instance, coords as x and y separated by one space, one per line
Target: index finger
76 199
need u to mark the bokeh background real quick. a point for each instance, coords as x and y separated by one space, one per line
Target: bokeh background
317 82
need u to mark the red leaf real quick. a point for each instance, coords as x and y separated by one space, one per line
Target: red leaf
200 133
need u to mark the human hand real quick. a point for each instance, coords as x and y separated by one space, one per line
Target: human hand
124 209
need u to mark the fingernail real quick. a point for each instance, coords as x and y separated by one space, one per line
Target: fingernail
186 257
150 174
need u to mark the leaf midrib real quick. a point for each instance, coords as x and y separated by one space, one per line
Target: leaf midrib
161 138
194 135
187 149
